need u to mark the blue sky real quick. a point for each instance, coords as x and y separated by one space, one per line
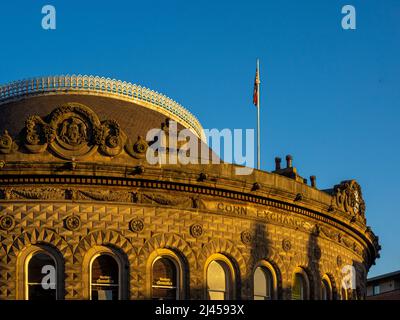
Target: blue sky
330 97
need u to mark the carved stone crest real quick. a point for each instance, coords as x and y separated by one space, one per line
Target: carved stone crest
348 197
72 131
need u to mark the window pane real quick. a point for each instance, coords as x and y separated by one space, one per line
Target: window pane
326 292
216 295
35 276
217 280
105 278
216 277
164 280
298 288
262 284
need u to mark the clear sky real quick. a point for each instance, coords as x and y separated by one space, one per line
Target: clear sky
330 97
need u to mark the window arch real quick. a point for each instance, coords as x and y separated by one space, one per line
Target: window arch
165 279
105 269
167 274
300 285
220 278
40 273
262 284
41 277
265 285
326 288
105 279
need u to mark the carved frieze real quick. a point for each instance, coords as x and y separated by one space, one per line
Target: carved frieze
103 195
32 193
73 131
166 200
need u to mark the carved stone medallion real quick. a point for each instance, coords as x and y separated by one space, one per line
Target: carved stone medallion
196 230
7 222
72 223
246 237
286 245
73 130
136 225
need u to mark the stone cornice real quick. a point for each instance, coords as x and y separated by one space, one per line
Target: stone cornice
314 204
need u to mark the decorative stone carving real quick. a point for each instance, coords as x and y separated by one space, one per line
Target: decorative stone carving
195 202
286 245
7 145
196 230
74 129
246 237
348 197
256 186
72 132
35 134
136 225
72 223
106 195
7 222
167 200
202 176
138 149
112 138
33 193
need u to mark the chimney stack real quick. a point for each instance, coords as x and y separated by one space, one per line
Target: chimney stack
289 160
313 181
278 163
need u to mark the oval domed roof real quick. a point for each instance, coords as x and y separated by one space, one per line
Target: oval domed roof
72 117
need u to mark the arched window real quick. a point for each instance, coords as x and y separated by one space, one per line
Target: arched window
105 278
165 279
300 286
325 291
219 280
263 283
41 279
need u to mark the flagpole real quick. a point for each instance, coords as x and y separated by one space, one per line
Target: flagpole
258 115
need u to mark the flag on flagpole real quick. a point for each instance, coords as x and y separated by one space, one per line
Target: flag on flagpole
256 87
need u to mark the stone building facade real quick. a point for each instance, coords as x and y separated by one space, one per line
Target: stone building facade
77 194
